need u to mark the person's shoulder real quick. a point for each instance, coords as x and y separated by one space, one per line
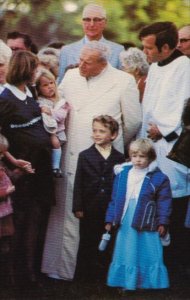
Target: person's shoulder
72 73
121 75
182 62
182 58
7 95
160 179
114 44
72 46
5 92
112 69
161 174
126 166
115 151
157 173
44 100
87 151
60 103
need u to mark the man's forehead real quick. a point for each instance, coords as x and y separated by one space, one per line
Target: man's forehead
151 38
17 41
93 12
184 32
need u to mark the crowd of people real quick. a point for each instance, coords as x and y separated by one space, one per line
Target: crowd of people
89 142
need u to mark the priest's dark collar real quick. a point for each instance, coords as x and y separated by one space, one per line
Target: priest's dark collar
169 59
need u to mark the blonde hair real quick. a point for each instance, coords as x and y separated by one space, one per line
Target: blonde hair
144 146
43 72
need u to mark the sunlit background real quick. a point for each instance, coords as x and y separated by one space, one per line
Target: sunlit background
50 21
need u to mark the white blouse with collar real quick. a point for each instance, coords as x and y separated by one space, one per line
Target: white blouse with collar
18 93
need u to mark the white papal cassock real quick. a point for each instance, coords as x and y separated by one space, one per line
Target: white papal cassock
114 93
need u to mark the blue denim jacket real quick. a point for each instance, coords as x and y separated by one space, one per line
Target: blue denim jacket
154 201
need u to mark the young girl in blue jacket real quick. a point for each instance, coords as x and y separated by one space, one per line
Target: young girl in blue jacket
140 207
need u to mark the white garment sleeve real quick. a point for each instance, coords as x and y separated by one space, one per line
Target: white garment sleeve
131 109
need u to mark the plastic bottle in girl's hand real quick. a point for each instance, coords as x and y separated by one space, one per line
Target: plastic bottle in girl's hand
104 241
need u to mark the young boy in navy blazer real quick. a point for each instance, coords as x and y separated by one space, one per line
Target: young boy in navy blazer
92 193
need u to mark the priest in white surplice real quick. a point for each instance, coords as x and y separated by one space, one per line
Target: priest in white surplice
167 89
93 89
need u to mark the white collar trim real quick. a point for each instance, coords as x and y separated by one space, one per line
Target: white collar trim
118 168
18 93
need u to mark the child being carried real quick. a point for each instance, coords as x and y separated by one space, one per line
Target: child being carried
54 112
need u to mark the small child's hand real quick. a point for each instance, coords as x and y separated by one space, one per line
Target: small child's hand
28 169
46 110
10 189
79 214
25 165
162 230
108 227
21 163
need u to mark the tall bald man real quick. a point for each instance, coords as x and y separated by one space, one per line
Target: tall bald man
93 23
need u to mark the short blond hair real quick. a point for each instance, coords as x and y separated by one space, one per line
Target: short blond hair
43 72
144 146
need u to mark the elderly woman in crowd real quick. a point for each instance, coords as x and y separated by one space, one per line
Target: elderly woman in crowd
49 58
21 123
134 62
5 55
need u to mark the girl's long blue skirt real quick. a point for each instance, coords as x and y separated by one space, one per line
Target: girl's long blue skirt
138 258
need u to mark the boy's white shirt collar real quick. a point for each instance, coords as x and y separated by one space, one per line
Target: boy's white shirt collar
105 152
18 93
119 168
107 148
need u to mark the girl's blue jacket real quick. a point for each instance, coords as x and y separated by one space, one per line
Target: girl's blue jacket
154 204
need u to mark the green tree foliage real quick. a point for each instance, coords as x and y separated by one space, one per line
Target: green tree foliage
126 18
47 20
